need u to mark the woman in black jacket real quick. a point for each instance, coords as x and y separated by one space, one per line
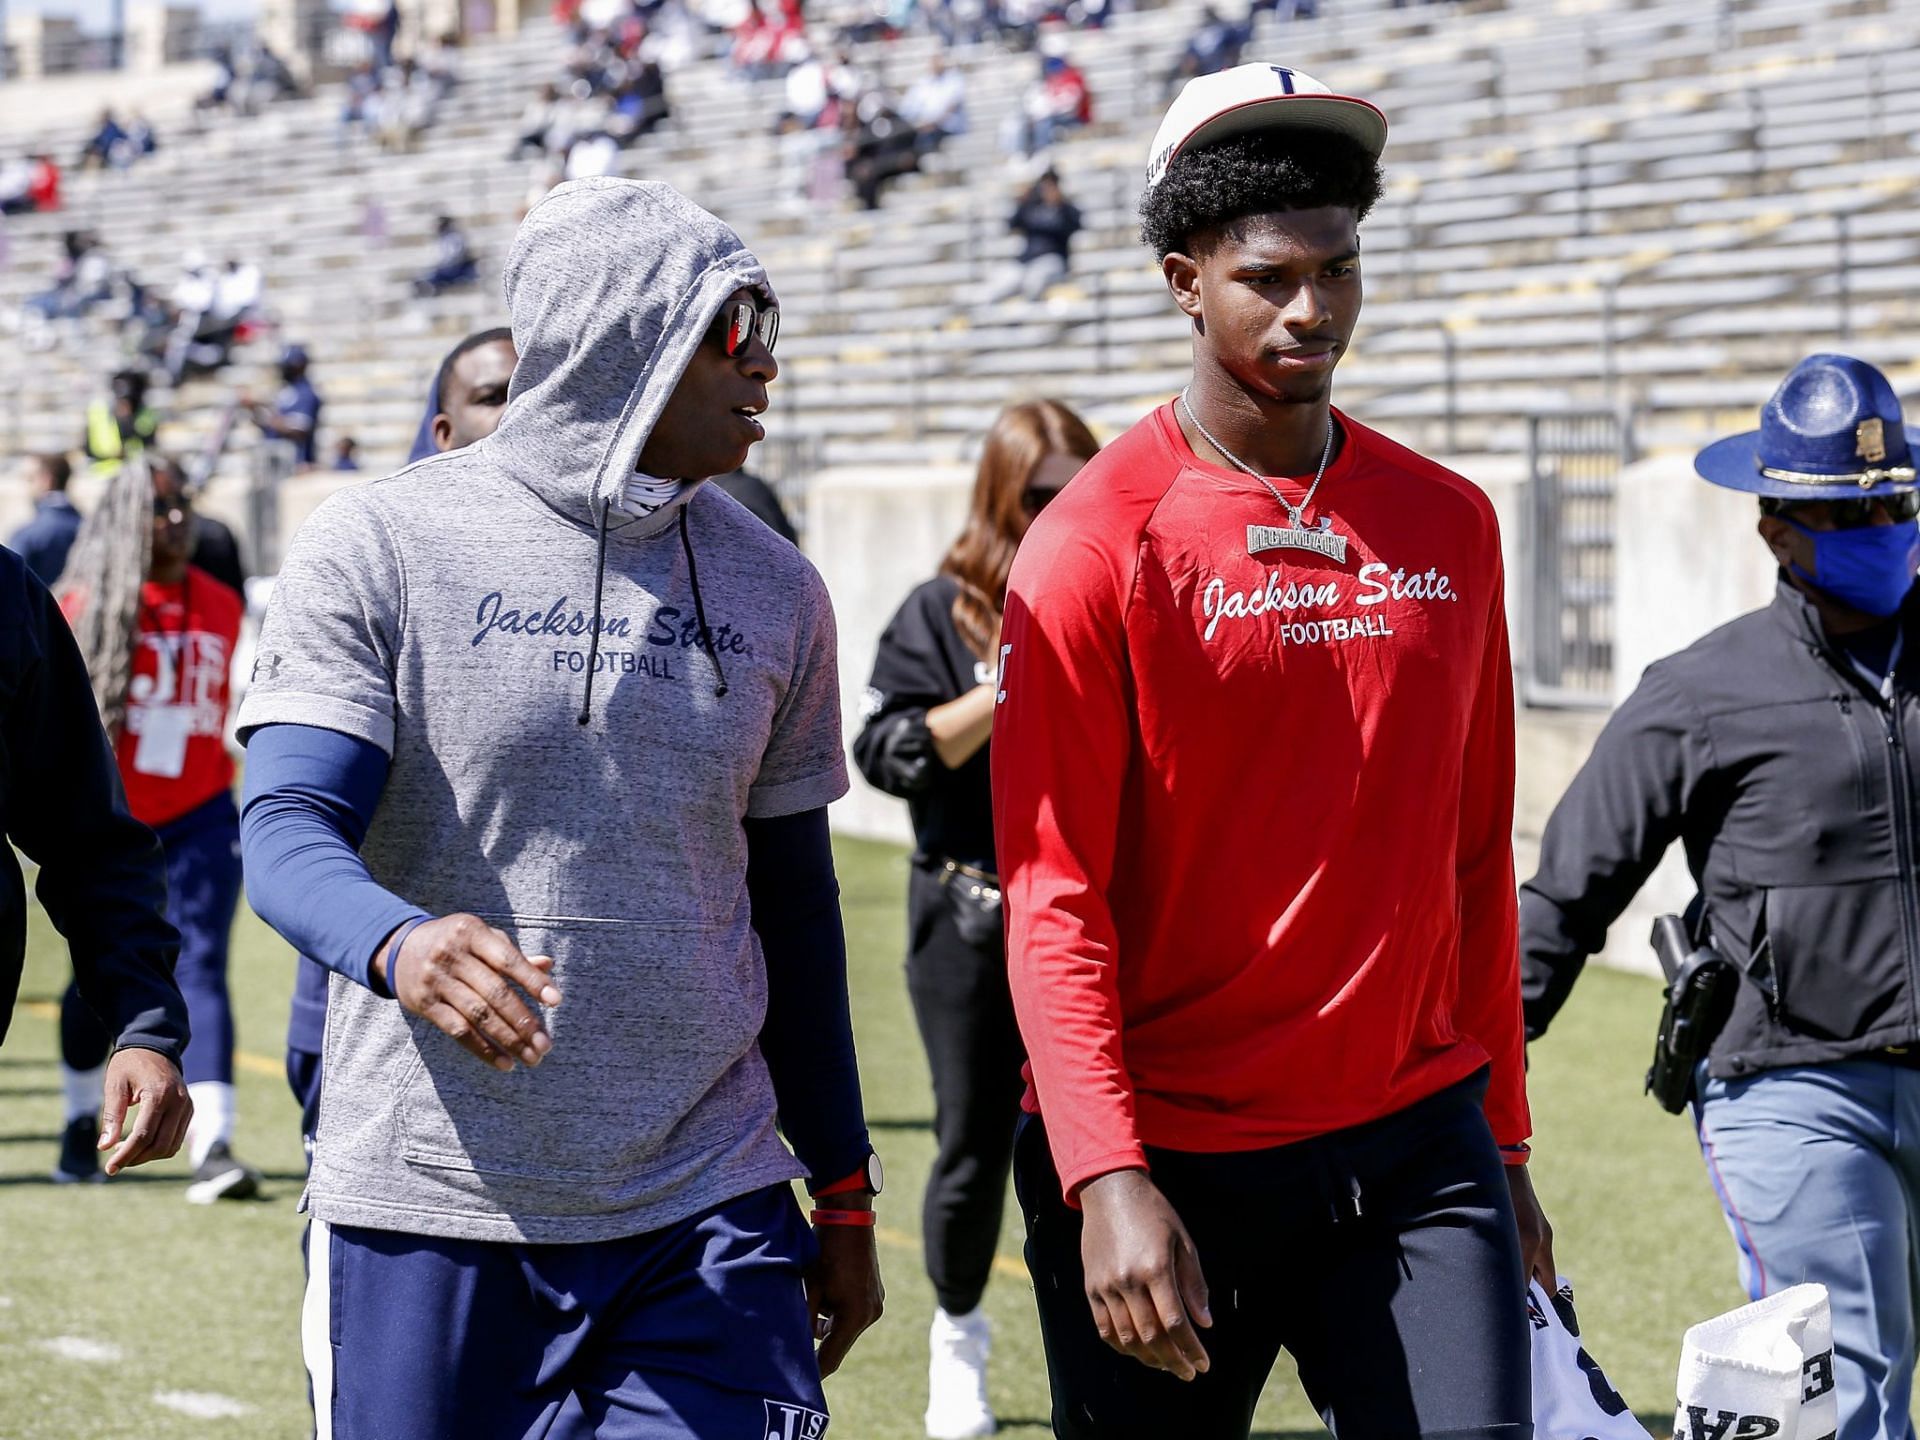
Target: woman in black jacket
929 712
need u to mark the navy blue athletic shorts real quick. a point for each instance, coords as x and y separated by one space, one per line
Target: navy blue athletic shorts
1383 1258
699 1331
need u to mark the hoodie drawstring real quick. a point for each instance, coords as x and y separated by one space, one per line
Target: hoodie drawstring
599 584
700 609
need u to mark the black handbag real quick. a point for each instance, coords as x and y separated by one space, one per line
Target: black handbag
972 898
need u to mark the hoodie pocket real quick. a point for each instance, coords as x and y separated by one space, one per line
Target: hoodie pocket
654 1063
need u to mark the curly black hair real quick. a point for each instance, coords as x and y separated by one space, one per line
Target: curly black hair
1255 174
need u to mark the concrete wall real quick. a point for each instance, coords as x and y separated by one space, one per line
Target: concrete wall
159 35
43 45
1686 561
875 534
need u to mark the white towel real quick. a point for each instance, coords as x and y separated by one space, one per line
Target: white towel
1572 1399
1762 1372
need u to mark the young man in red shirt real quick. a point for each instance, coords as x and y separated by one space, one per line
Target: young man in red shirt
1253 786
159 662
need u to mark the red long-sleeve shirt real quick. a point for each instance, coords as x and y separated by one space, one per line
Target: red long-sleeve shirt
1254 811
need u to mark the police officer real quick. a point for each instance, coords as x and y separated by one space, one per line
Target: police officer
1779 749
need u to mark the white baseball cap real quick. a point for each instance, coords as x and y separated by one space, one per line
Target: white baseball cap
1260 97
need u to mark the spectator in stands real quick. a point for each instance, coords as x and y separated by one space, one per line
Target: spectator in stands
808 90
403 107
224 77
294 415
103 144
1057 101
210 307
1046 222
346 454
158 635
936 105
142 139
16 185
360 108
877 145
43 542
1215 45
441 64
44 190
639 104
120 424
536 121
929 714
453 264
382 33
83 277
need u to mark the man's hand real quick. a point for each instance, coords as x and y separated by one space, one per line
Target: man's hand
1143 1275
1536 1235
149 1080
461 974
844 1293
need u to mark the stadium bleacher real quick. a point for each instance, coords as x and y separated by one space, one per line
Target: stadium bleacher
1618 203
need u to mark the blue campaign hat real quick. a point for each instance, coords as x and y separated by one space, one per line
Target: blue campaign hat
1832 431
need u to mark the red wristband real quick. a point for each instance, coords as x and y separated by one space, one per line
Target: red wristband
844 1217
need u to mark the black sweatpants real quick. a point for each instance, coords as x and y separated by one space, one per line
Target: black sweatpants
1383 1258
965 1012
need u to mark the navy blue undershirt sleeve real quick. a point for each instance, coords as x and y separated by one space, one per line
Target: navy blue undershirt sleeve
310 796
808 1038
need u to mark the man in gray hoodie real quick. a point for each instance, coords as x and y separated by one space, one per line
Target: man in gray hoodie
548 717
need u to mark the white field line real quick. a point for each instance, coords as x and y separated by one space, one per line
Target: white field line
78 1347
202 1404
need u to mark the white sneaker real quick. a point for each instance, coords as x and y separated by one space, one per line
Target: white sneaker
957 1407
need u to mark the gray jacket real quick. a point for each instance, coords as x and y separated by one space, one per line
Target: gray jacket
448 614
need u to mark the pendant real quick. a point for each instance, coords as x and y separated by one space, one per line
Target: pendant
1320 539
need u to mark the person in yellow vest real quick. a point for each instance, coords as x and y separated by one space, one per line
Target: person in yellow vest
121 423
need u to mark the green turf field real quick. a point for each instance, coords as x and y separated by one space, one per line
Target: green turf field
181 1308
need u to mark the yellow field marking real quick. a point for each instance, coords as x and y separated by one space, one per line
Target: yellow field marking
260 1065
242 1059
899 1240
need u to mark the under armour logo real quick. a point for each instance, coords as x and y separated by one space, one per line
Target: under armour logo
794 1422
1286 77
269 663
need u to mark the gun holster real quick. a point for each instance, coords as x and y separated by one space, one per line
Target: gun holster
1701 983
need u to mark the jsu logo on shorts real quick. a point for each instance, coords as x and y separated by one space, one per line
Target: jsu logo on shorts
787 1421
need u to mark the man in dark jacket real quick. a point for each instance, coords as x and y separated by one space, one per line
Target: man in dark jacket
43 542
1046 222
1778 749
100 873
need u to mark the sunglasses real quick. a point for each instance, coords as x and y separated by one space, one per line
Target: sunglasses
174 512
740 320
1857 514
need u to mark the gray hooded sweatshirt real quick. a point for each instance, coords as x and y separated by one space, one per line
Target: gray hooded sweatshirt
449 615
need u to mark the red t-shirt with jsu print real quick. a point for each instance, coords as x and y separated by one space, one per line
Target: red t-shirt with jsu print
1253 804
173 752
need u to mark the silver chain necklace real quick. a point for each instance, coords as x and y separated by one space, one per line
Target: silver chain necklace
1293 511
1299 536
